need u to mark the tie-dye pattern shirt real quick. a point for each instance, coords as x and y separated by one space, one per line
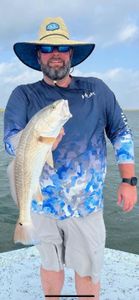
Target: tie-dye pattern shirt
74 187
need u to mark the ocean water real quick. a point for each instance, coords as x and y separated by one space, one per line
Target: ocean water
122 228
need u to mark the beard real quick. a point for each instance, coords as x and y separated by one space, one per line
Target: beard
56 73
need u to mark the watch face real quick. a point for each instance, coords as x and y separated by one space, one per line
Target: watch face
134 181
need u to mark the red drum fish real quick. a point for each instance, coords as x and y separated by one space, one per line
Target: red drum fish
33 151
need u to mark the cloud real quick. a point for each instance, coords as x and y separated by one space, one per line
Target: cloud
130 32
20 20
101 20
12 74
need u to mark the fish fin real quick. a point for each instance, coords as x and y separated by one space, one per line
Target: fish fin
25 234
49 159
47 140
38 195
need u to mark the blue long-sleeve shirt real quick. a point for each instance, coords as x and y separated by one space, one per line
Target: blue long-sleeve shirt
75 186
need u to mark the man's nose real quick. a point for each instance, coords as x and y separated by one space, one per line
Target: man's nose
55 51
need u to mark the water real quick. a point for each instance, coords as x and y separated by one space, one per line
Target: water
122 228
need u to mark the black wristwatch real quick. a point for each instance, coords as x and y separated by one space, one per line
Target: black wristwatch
132 181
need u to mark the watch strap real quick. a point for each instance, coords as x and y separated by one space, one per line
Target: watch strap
132 181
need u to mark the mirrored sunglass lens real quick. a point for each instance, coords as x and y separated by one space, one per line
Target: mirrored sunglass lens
46 49
63 48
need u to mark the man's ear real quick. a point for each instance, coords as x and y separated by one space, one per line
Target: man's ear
71 53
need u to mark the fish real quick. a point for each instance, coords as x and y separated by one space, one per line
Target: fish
33 151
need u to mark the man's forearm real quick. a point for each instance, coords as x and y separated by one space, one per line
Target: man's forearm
127 170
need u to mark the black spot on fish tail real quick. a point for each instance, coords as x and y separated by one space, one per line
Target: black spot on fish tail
20 224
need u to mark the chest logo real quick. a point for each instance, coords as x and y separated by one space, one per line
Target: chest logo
88 95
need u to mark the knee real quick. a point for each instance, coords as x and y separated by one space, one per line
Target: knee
82 278
52 282
85 285
87 278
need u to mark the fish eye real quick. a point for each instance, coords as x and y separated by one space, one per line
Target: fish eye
53 106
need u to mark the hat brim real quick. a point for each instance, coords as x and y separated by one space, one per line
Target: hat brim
27 51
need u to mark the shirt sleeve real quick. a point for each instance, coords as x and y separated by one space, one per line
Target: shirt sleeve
118 131
15 119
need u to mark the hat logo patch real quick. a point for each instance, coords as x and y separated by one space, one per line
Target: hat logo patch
52 26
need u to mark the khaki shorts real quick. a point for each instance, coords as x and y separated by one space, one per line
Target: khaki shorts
77 243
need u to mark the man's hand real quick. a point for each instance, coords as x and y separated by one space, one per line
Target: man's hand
127 196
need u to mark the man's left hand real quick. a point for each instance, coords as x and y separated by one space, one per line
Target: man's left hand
127 196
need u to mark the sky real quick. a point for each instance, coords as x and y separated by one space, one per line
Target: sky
112 25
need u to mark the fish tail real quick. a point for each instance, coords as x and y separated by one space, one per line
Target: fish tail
25 234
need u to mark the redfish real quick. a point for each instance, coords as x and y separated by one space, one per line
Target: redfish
33 151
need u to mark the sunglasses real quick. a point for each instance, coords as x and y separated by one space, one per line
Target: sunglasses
50 49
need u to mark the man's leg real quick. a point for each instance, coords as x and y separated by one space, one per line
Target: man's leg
85 286
52 283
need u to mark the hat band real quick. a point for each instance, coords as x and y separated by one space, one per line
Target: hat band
53 35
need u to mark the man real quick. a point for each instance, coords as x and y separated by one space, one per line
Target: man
70 221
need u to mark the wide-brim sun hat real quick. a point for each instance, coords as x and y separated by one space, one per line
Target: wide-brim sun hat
53 32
